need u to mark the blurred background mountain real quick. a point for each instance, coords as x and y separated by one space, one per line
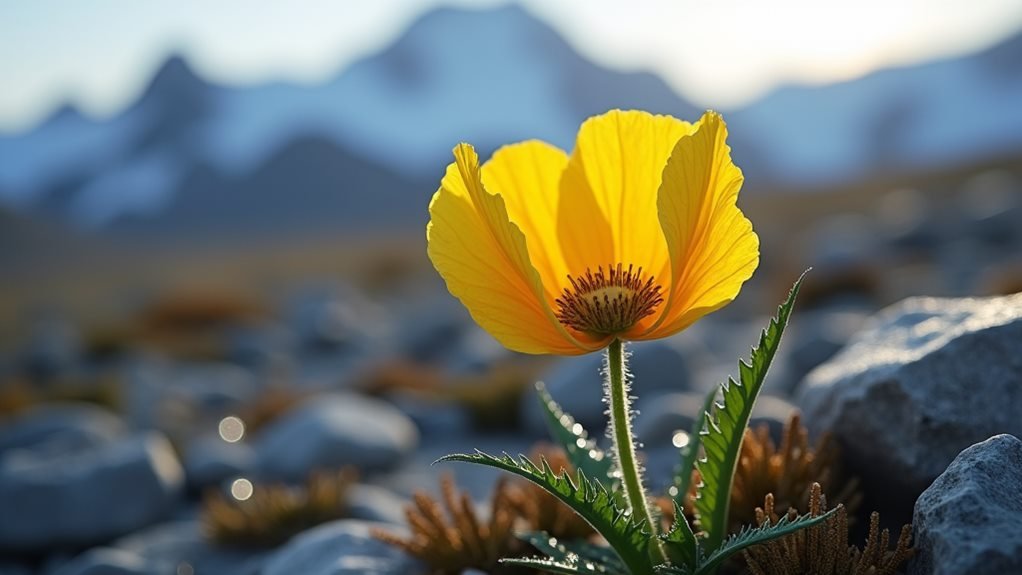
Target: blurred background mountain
301 170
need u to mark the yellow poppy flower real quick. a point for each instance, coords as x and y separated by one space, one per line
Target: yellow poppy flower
634 236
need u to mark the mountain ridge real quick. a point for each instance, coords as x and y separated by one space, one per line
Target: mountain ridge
485 76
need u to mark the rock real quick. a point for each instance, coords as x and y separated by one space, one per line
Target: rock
660 417
906 220
210 460
67 426
817 335
104 561
576 383
433 332
968 520
263 346
992 205
339 548
54 347
925 379
181 547
333 430
330 318
434 418
185 399
82 496
371 503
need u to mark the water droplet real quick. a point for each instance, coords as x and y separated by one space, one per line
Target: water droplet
232 429
680 439
673 491
576 429
581 443
241 489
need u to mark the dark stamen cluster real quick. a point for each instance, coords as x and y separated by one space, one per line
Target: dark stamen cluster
607 303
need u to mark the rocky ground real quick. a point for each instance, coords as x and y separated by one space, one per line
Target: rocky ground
111 442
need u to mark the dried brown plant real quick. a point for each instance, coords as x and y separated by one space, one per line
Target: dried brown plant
276 512
461 540
786 471
542 511
823 549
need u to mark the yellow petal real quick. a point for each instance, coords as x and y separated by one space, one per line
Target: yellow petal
608 210
527 176
483 258
712 247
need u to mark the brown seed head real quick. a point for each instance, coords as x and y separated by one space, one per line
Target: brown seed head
608 303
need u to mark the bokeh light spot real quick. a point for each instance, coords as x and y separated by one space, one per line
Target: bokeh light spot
232 429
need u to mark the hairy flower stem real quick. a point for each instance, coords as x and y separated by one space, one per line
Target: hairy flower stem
624 442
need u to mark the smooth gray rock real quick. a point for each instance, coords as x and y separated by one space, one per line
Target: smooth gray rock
341 548
372 503
925 379
333 430
576 383
210 460
968 520
185 399
69 426
104 561
661 416
53 347
83 496
181 547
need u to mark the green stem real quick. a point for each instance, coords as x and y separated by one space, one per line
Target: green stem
624 442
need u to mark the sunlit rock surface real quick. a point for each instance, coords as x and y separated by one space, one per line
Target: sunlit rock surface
69 497
341 548
334 430
925 379
968 520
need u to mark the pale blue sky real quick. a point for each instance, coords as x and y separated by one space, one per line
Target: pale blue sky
98 54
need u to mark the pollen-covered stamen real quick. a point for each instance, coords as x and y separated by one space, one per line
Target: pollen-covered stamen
608 303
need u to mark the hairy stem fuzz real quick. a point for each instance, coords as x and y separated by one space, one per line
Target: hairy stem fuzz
624 447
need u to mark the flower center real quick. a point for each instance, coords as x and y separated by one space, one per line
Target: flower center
607 303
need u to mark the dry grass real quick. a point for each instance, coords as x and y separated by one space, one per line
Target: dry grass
276 512
462 539
823 549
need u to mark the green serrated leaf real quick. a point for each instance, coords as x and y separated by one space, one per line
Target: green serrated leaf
680 542
672 570
589 499
755 536
683 473
725 428
575 551
576 566
582 451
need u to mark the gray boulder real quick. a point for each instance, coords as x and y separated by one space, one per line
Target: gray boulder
341 548
576 383
333 430
372 503
181 547
82 496
925 379
67 426
968 520
104 561
210 460
661 416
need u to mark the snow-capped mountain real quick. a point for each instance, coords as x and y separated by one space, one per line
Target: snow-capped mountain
946 112
190 154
